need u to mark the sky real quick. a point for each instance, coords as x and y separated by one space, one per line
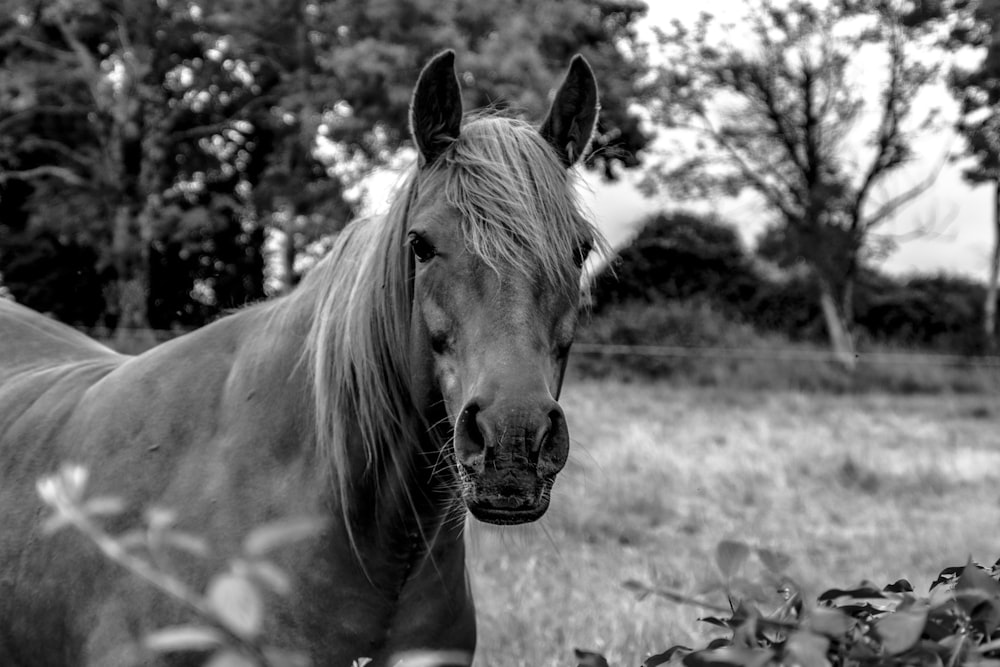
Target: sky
947 229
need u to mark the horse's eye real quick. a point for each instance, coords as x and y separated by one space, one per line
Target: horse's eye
581 253
422 249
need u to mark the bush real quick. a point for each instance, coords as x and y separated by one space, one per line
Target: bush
957 623
678 256
683 257
939 312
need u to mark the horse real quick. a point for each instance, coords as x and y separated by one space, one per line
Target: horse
411 379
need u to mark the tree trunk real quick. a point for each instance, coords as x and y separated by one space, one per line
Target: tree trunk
131 263
289 277
836 327
990 305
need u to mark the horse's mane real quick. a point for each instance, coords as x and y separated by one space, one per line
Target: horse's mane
519 212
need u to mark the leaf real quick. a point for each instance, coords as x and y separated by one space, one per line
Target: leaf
589 659
901 630
230 658
729 656
74 481
807 648
641 590
746 633
666 656
947 575
829 622
274 534
183 638
730 556
237 603
427 658
900 586
860 593
279 657
55 523
187 542
975 578
159 518
270 575
774 561
104 506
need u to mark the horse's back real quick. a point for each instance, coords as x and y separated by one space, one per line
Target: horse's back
28 338
45 367
26 334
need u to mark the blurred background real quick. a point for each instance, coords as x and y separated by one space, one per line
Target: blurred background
770 173
793 343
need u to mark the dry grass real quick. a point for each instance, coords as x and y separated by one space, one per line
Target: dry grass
851 487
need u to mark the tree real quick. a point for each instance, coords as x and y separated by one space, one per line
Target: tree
978 91
145 130
777 113
101 111
509 51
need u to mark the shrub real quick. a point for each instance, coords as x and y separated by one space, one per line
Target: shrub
957 623
681 256
678 256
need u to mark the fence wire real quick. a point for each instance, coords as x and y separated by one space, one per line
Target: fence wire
785 354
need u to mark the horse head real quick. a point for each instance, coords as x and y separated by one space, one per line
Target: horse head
497 243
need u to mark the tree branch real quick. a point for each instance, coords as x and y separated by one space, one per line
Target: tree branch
753 175
783 130
32 143
895 203
48 170
41 47
888 133
200 131
41 109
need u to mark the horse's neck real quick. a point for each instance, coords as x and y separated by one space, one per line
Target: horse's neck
412 501
409 497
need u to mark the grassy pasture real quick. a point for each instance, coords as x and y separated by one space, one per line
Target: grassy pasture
852 487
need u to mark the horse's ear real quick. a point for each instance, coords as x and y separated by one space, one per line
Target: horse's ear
436 107
571 120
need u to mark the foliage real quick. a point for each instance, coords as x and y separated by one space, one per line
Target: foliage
229 615
775 111
168 139
937 312
737 299
677 255
112 114
957 623
978 90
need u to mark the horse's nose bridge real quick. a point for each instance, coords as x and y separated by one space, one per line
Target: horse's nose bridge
520 426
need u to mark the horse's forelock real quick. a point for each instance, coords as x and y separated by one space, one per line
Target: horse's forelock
518 205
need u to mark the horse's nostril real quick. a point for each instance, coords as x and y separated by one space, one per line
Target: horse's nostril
470 435
556 423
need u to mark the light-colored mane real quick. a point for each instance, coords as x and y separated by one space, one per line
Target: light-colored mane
519 212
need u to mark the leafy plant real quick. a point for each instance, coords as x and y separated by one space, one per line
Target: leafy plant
229 615
956 623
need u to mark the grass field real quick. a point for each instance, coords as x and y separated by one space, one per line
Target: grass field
851 487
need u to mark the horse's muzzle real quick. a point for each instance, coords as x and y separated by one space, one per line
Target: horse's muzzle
506 503
508 456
